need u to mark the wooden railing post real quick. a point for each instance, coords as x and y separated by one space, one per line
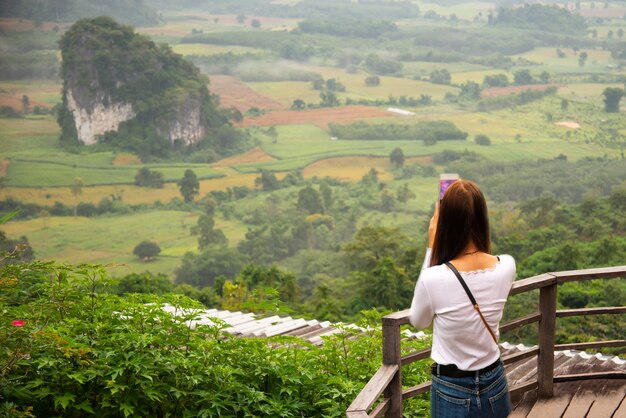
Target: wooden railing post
547 325
391 355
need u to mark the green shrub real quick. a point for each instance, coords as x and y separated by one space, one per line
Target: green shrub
80 350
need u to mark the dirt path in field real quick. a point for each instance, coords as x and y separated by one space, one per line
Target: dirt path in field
318 117
126 159
569 124
11 100
355 167
235 93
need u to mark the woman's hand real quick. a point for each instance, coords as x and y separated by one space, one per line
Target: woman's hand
432 227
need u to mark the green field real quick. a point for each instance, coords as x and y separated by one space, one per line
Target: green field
546 59
288 91
208 49
110 240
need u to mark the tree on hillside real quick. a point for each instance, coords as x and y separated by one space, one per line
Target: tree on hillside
148 178
372 81
147 250
481 139
189 185
387 200
145 282
77 190
267 180
544 77
404 194
310 200
327 195
582 58
470 90
397 157
522 77
26 104
328 99
371 244
387 286
298 104
255 23
241 18
207 233
440 76
612 97
496 80
201 269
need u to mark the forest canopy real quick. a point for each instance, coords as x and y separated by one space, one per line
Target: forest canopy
547 18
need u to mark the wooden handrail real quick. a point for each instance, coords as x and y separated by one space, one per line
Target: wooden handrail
591 311
388 378
372 390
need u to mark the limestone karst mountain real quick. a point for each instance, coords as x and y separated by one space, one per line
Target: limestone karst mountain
120 87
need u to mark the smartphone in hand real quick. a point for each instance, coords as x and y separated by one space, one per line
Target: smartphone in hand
445 180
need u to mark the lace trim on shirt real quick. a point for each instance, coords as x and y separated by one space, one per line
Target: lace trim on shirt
489 270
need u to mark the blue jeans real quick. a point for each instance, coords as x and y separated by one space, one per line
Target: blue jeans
480 396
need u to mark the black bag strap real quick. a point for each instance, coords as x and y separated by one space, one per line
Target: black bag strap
473 300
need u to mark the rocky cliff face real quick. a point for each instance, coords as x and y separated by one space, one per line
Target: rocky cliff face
93 122
185 125
119 86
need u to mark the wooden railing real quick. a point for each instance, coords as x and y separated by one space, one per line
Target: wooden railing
388 379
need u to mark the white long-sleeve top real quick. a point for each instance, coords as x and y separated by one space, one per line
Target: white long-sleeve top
459 336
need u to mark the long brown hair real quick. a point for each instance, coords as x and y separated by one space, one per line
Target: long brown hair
462 219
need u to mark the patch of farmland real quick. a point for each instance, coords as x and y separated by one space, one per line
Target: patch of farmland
129 194
4 167
234 93
11 100
547 59
349 168
21 25
504 91
256 155
126 159
476 76
464 10
210 49
43 93
232 20
424 68
588 92
199 49
354 84
318 117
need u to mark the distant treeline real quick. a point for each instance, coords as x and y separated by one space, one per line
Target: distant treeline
286 45
340 26
524 180
251 67
313 9
546 18
127 11
497 60
427 131
511 100
493 40
29 54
